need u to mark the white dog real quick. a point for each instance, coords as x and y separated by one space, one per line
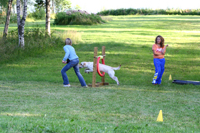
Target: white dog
102 68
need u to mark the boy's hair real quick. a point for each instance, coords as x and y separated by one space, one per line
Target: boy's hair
68 41
162 40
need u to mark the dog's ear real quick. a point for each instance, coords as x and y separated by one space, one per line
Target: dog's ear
84 64
79 65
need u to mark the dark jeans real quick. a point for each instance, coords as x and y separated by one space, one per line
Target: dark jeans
74 64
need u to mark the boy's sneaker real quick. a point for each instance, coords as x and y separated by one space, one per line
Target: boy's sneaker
67 85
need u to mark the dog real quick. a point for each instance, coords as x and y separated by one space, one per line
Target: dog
102 68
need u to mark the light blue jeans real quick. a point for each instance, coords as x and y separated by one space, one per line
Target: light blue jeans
159 70
73 63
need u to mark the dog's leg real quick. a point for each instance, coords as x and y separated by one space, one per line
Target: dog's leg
116 79
88 70
112 75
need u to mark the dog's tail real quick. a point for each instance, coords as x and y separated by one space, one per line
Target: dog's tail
117 68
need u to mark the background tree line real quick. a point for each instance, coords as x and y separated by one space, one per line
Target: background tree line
132 11
7 8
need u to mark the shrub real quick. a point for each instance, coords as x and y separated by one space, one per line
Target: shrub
73 35
131 11
77 18
2 20
13 19
38 14
9 47
36 42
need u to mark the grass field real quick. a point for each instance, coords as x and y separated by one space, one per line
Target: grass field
32 98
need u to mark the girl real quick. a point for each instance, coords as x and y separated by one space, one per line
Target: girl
72 61
159 61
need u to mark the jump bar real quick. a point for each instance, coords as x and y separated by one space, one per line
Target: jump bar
186 82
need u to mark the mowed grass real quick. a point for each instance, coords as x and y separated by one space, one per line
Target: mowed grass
33 99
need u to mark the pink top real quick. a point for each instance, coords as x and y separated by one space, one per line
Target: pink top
158 49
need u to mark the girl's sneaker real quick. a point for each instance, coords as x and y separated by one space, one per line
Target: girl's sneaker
154 81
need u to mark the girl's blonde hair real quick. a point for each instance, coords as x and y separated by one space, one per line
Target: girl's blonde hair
68 41
162 40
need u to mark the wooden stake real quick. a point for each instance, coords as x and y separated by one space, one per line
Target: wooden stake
94 67
103 54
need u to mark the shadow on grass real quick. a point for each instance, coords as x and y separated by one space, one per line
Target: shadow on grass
136 60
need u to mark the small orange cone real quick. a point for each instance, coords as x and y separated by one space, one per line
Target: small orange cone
170 77
160 116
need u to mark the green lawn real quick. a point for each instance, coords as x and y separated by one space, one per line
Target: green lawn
32 98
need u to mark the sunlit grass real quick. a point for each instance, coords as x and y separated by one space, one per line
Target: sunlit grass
30 20
19 114
107 18
33 99
73 35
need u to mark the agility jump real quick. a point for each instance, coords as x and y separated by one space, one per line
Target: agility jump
101 69
96 68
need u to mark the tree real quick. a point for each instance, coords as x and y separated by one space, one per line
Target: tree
77 7
7 18
39 5
48 17
21 22
62 5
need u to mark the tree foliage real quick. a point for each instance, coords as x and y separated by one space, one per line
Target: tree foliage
77 7
62 5
132 11
39 4
3 3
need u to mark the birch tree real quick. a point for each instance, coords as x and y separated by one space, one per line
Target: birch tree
7 18
40 4
21 21
48 30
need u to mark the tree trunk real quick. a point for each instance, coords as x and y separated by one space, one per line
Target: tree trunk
7 19
48 17
21 22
